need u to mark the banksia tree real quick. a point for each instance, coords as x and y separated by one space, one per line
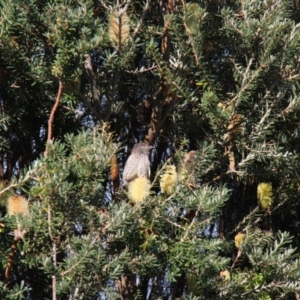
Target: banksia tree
212 86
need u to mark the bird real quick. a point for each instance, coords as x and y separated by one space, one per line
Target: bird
137 164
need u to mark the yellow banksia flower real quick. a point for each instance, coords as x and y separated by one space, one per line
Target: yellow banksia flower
168 180
265 195
139 189
238 240
225 275
17 205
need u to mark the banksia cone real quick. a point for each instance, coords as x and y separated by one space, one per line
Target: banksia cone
238 240
118 28
17 205
139 189
235 126
168 180
114 172
265 195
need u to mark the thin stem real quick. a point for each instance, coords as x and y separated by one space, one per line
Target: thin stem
51 118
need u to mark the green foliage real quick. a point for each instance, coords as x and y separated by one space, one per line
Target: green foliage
220 78
268 262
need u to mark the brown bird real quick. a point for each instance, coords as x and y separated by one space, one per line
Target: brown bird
137 164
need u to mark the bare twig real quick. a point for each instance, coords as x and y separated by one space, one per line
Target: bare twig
140 22
19 234
102 112
89 106
54 257
141 71
92 78
236 259
52 114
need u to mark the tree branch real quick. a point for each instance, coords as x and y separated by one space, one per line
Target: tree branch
19 234
157 117
102 108
51 118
